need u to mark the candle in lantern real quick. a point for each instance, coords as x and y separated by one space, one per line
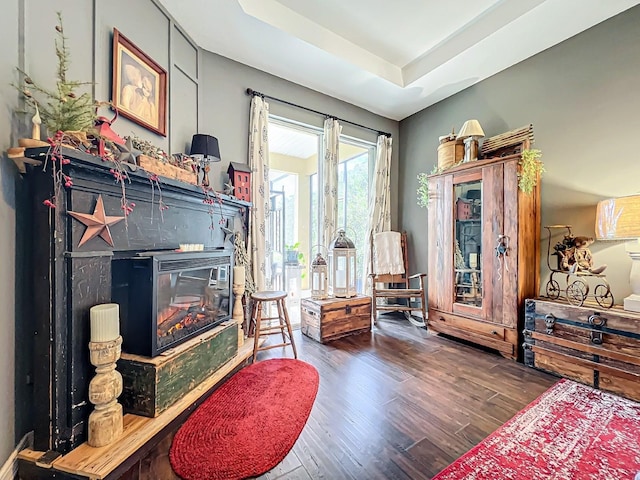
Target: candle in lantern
105 322
238 275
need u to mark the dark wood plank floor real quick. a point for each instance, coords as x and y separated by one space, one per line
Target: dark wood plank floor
401 403
398 403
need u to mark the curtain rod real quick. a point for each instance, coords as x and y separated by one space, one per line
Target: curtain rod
254 93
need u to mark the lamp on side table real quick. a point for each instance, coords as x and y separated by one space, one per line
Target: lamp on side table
619 219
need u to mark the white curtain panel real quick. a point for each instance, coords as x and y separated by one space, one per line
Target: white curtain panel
329 214
260 195
379 202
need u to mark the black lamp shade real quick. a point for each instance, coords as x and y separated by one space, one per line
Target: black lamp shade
202 144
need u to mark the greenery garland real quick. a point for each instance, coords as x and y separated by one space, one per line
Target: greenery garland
423 186
531 168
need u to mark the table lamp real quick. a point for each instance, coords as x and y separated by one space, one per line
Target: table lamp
205 147
470 132
204 150
619 219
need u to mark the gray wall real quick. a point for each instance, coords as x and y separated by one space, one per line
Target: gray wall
206 94
583 98
8 177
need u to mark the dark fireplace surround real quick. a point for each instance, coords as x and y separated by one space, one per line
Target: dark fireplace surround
68 279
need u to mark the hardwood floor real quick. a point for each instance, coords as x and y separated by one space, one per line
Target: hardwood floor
398 403
401 403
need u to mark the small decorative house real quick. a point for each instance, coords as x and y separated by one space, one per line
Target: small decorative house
240 177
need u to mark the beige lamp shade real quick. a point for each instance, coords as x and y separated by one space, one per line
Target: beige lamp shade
618 218
471 128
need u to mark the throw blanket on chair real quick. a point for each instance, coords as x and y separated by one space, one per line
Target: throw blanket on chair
387 249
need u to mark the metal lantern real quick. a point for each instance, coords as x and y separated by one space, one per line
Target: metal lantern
342 264
319 280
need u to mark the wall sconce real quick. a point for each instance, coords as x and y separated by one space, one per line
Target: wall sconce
470 132
619 219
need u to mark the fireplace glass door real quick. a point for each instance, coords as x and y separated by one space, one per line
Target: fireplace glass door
188 300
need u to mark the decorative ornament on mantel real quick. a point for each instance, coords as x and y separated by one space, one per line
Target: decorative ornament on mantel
228 188
97 223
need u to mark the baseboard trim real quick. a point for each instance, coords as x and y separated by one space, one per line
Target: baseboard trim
9 470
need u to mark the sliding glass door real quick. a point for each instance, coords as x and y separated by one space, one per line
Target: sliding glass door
295 153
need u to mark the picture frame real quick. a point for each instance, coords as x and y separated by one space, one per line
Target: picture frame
139 86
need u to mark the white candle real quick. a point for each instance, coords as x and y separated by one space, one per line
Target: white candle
473 260
238 275
105 322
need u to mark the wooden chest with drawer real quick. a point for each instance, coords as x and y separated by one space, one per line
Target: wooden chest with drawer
326 320
596 346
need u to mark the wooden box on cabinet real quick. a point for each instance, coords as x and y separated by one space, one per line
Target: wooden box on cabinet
596 346
326 320
486 255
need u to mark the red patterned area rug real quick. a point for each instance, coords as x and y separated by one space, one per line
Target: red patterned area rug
247 426
570 432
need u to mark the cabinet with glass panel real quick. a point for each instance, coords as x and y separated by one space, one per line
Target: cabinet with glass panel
483 252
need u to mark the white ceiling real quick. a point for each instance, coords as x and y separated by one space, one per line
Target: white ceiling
392 58
291 141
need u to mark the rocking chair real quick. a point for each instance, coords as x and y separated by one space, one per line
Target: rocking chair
390 279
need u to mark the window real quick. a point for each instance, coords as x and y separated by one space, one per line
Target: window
295 154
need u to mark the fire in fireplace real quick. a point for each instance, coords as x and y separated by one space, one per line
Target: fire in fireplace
166 298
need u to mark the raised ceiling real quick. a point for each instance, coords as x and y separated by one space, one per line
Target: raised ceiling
391 58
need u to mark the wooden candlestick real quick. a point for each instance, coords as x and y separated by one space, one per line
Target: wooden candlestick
105 422
238 310
36 121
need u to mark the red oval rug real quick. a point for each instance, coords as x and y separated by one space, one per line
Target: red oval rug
247 426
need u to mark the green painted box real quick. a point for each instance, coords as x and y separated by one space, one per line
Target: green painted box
151 385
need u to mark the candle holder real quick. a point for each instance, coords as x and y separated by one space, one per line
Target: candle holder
238 310
105 422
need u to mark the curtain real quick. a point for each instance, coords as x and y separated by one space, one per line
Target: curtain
379 202
260 195
329 214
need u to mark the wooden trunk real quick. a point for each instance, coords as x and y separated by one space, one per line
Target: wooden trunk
326 320
151 385
482 301
595 346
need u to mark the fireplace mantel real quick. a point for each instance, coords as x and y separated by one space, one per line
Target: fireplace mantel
67 279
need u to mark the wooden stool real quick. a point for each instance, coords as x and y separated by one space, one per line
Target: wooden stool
259 299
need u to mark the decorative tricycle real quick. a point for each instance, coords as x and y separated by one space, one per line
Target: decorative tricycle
574 262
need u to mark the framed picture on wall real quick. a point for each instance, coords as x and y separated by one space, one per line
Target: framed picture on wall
139 86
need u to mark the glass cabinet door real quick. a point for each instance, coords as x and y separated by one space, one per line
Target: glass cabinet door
467 250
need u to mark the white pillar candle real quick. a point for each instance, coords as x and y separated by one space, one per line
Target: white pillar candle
238 275
105 322
473 260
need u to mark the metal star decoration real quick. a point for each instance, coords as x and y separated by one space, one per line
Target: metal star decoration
97 223
228 189
228 233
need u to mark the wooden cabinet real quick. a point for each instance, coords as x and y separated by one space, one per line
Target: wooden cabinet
483 252
596 346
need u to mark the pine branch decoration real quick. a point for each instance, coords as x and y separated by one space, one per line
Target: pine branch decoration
61 109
